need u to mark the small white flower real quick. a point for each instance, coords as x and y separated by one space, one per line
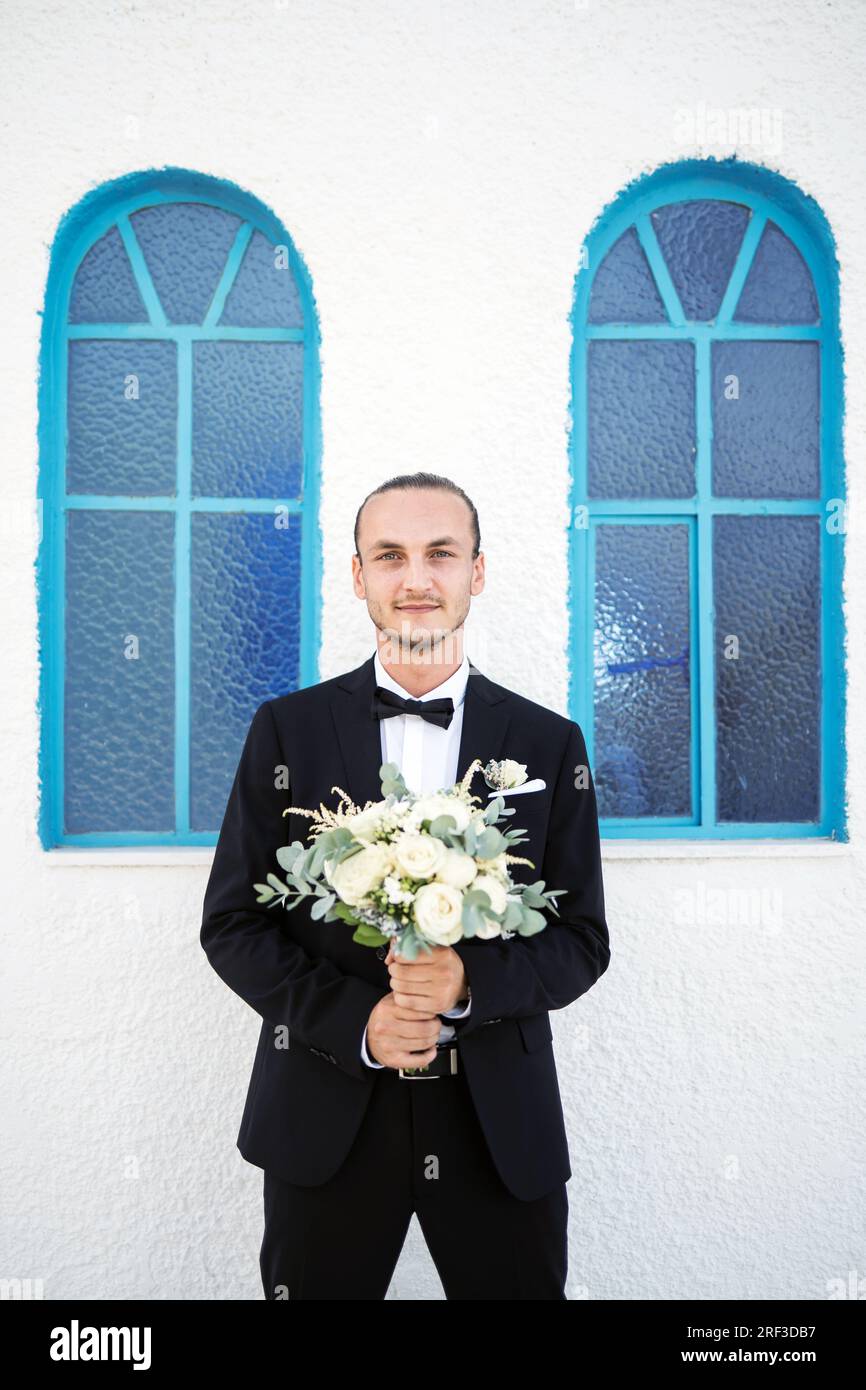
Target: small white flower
394 892
504 775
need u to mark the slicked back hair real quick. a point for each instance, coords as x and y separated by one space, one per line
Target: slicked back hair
422 480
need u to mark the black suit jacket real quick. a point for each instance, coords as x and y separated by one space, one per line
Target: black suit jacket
315 988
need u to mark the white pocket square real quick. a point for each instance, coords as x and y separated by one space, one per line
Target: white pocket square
536 785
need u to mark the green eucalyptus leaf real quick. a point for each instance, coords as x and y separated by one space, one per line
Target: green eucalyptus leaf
532 922
366 935
443 825
477 898
320 907
344 911
513 917
490 843
288 855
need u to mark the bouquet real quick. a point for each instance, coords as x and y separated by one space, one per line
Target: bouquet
421 870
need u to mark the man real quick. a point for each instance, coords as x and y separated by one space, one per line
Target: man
351 1136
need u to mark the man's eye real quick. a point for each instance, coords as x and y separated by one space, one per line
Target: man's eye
449 554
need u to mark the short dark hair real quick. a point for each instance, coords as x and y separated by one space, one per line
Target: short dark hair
423 480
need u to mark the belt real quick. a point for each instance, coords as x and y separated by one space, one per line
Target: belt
443 1064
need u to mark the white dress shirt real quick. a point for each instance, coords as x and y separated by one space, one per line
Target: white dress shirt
426 755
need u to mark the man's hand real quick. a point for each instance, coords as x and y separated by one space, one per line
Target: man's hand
399 1037
433 983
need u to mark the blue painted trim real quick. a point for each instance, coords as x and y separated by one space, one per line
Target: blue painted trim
695 332
182 331
183 588
227 279
109 205
112 502
769 195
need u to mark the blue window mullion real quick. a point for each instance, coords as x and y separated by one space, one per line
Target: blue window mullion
702 589
183 541
227 279
145 284
56 762
587 545
742 265
118 502
658 266
581 567
663 331
834 762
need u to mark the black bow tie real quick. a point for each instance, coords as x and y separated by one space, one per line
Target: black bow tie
386 704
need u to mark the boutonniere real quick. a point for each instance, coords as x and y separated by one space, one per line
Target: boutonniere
504 776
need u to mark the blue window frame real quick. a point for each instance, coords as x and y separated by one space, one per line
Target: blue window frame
179 562
708 514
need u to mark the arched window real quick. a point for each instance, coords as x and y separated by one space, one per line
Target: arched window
708 519
179 462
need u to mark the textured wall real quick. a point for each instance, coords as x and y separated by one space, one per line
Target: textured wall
438 166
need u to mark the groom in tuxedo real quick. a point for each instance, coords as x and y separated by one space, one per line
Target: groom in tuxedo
383 1087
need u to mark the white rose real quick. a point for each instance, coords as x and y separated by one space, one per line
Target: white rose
512 774
456 868
498 903
364 824
439 913
417 855
440 804
358 875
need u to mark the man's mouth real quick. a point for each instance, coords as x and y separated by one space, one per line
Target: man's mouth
417 607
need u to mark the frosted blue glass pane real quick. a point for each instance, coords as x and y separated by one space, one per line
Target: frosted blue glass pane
245 640
778 287
186 246
119 692
264 294
247 419
122 418
624 290
642 670
104 289
766 579
700 241
766 438
641 419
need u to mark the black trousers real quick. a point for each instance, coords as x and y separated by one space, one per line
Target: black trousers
420 1148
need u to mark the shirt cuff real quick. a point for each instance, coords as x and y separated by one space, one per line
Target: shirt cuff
366 1058
458 1012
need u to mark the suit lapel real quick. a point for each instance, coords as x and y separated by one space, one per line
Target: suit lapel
485 721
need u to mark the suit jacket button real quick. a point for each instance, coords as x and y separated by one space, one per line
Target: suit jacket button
381 952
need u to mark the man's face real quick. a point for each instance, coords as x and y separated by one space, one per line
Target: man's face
418 574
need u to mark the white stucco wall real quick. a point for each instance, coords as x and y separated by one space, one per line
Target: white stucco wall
438 166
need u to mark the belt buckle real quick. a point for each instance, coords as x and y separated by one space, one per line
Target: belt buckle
415 1074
